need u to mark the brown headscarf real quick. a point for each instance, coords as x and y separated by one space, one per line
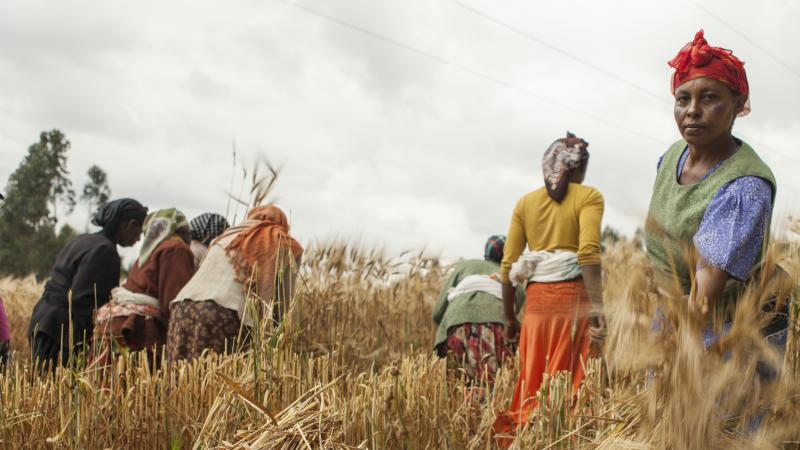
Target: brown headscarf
258 249
563 156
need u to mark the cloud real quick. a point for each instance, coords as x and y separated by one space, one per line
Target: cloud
376 142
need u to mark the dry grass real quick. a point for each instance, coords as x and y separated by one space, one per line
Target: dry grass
353 368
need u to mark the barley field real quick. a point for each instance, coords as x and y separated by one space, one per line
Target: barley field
352 366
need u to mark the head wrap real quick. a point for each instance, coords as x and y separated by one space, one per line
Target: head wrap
493 251
158 227
109 215
255 251
563 156
207 227
698 59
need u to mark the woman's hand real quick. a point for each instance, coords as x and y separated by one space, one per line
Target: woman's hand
512 323
597 329
709 285
512 328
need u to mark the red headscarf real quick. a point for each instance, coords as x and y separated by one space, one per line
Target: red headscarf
698 59
259 247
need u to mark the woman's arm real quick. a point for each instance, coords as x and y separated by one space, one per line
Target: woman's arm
515 242
286 279
5 329
593 280
709 284
590 219
515 245
730 237
509 302
175 269
99 270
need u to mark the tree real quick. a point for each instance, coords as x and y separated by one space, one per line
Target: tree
28 239
96 191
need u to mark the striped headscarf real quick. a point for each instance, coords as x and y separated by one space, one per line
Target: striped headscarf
158 227
493 251
207 227
563 156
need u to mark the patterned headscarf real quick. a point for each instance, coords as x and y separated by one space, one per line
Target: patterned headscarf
158 227
257 248
563 156
493 251
698 59
207 227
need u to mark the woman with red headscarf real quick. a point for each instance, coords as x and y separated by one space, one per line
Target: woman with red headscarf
713 196
248 271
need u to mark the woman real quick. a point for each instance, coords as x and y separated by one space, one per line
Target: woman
5 336
5 330
137 317
560 223
713 196
248 270
469 315
85 272
205 228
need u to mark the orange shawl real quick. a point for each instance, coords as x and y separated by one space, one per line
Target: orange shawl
256 250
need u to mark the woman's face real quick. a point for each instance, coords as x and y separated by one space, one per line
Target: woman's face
129 233
705 109
185 234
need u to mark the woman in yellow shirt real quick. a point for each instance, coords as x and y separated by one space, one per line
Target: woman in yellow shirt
560 224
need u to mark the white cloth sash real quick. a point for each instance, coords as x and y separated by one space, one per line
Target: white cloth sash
545 267
122 296
124 303
476 283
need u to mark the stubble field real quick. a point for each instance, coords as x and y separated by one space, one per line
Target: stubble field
352 366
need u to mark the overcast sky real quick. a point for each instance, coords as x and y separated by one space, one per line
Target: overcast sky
425 142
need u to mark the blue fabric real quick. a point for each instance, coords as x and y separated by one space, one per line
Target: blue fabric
735 223
778 327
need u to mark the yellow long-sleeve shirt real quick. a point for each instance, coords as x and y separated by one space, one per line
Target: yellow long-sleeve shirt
572 225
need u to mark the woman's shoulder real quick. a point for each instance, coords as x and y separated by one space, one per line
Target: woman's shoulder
536 195
753 165
747 189
91 243
586 193
675 151
174 246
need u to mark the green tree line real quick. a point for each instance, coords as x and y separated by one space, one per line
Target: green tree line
37 191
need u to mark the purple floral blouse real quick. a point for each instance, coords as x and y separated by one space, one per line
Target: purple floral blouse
734 224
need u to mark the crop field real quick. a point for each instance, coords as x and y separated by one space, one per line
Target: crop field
352 366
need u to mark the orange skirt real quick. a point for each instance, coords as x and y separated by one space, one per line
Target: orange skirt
554 338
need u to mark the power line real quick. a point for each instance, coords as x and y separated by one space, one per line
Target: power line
569 55
467 69
746 38
600 69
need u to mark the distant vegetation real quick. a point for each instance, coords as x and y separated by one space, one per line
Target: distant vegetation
37 191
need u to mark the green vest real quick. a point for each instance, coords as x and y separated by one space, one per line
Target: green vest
676 210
